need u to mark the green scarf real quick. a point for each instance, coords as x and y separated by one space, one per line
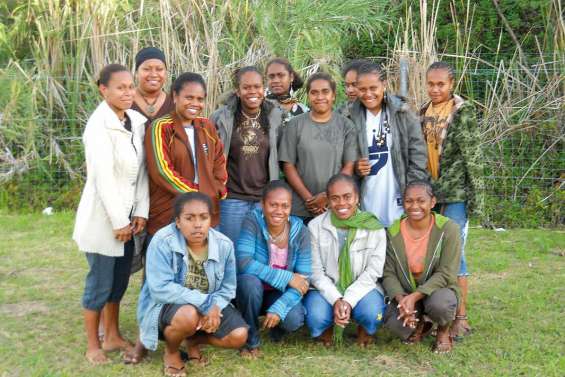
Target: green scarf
360 220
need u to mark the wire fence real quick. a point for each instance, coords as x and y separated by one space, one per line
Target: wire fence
523 168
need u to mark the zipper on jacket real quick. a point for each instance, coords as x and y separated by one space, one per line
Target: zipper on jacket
402 268
434 256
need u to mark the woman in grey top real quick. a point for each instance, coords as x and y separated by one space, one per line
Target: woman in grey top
315 146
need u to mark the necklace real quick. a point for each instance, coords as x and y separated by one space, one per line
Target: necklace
251 121
150 106
384 128
279 237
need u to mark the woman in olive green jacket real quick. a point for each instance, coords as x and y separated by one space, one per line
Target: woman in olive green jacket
420 273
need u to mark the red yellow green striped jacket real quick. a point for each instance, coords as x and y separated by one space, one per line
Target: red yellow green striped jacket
172 170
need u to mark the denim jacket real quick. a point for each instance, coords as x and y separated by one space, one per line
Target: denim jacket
166 268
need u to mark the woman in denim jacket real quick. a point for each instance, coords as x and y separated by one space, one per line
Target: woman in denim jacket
190 281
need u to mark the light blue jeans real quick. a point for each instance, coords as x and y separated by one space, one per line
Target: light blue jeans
368 312
458 213
232 213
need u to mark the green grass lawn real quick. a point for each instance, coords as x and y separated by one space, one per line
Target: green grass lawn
517 309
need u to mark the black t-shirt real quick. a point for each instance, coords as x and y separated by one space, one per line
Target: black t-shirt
248 163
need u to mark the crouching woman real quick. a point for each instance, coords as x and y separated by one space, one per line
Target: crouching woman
190 281
420 273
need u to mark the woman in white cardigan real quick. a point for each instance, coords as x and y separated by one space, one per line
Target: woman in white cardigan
348 254
113 206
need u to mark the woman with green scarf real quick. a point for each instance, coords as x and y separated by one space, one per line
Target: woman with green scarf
348 255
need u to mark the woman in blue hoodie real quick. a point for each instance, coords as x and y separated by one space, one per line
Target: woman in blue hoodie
274 263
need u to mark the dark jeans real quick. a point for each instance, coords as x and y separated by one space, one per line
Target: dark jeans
440 307
253 300
108 278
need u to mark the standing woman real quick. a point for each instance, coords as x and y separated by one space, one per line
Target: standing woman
113 206
455 164
316 146
249 127
184 154
282 83
349 74
348 254
391 145
151 73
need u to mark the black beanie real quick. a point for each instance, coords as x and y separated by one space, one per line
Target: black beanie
149 53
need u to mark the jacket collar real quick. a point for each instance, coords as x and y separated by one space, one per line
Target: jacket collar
440 222
179 244
114 122
458 103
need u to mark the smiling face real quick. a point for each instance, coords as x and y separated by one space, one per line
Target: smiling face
350 81
321 97
251 91
343 199
371 90
119 91
194 222
276 207
189 101
418 203
151 75
439 85
279 79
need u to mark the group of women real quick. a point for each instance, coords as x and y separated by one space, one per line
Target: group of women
303 215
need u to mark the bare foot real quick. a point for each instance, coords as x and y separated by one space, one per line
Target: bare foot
116 344
96 356
173 364
250 353
363 338
444 343
194 353
460 328
327 337
136 354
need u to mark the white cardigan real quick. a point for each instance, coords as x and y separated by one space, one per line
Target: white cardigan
116 180
367 255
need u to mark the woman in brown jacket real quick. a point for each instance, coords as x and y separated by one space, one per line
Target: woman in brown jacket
184 154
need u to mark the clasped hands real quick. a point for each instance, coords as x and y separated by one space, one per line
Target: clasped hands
135 227
211 321
342 312
406 309
316 204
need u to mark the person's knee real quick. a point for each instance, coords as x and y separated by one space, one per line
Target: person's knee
249 287
319 314
236 338
441 305
294 319
185 319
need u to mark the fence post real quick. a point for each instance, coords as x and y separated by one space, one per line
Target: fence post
403 77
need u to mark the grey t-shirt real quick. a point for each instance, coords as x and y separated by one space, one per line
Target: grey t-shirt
318 150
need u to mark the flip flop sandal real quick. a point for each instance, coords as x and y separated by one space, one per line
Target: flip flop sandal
172 371
422 330
442 347
462 331
130 359
201 361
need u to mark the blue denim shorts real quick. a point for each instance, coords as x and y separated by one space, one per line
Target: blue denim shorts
458 213
107 279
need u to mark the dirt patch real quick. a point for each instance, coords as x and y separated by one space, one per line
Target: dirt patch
22 309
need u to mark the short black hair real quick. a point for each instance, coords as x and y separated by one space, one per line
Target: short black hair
273 186
238 73
353 65
188 197
372 68
321 76
186 78
106 73
420 183
340 177
442 65
297 83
